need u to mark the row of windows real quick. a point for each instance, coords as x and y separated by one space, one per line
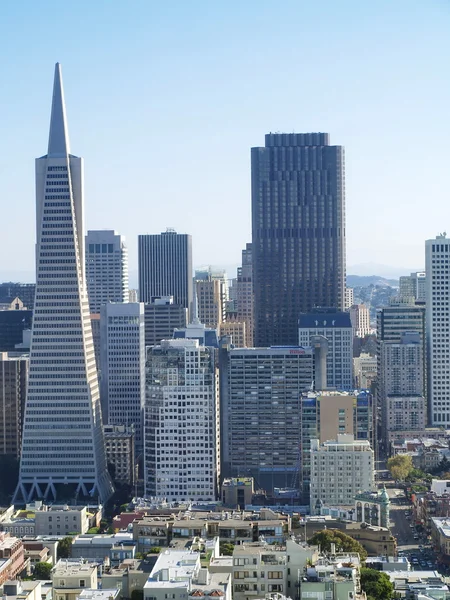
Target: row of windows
58 176
56 169
59 189
57 197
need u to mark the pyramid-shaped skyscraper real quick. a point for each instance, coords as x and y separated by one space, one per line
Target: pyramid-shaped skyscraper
63 451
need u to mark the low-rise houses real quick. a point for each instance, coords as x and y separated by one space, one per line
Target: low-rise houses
12 557
21 590
116 547
69 578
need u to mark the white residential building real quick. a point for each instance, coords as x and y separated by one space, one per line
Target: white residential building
60 520
62 434
349 297
181 457
437 258
336 327
172 575
106 268
69 578
360 317
339 470
122 360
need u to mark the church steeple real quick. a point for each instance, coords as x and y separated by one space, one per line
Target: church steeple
58 141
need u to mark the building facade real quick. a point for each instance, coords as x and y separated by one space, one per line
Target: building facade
237 331
120 446
437 255
106 268
414 286
325 415
210 295
360 318
24 291
13 389
165 267
298 232
13 323
339 470
260 412
162 316
122 360
336 327
244 294
63 434
182 445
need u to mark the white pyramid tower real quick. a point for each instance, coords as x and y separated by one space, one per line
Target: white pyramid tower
62 433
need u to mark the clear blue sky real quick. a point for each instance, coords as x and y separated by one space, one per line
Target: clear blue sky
165 99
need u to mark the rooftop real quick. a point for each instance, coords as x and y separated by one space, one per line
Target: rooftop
173 568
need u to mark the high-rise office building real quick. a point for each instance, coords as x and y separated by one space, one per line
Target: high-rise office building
165 267
106 268
210 294
336 327
349 297
414 286
437 265
162 317
404 406
298 225
13 387
260 394
244 294
12 325
24 291
324 415
122 363
393 321
181 457
360 318
63 439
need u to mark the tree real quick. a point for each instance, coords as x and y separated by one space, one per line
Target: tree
65 548
342 541
137 594
42 570
400 466
226 549
376 584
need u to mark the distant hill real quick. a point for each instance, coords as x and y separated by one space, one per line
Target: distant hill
365 280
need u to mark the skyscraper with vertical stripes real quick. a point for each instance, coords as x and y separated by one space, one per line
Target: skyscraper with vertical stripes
63 453
165 267
298 232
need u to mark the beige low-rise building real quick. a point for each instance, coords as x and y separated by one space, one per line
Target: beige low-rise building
69 578
61 520
237 491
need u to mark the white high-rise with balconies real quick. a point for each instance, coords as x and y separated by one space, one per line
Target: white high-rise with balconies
437 268
63 441
106 268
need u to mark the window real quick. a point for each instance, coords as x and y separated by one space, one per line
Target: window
82 583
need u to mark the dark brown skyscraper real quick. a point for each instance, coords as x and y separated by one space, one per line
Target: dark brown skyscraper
298 223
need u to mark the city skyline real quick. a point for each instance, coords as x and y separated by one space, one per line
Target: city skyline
218 104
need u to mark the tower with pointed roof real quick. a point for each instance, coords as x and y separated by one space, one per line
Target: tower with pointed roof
63 453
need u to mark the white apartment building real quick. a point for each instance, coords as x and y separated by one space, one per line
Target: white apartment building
106 268
437 258
122 360
60 520
336 326
181 457
360 317
349 297
339 470
69 578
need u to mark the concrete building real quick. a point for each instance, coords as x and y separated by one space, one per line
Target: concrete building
235 330
122 359
237 491
364 371
119 446
61 520
165 267
206 336
106 268
349 298
440 535
298 232
334 576
17 589
360 318
336 327
372 508
244 295
62 434
13 389
70 578
324 415
12 557
162 316
210 294
260 412
437 254
413 286
403 401
173 575
339 470
181 457
96 547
